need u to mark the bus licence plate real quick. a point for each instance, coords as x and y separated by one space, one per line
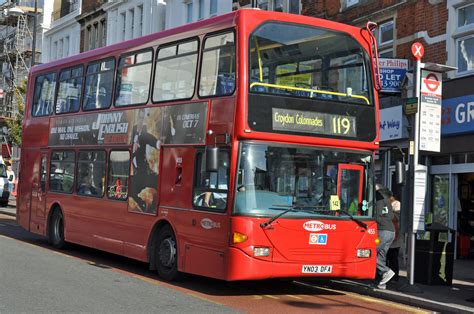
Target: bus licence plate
317 269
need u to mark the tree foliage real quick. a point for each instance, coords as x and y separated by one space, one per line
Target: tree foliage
16 123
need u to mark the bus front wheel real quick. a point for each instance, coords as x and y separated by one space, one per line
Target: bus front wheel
167 254
56 230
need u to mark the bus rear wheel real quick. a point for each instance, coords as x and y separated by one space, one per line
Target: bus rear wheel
56 230
167 254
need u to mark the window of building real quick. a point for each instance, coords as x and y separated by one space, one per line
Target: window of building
89 37
66 46
210 188
465 54
140 20
43 97
61 46
132 23
466 15
133 79
119 167
218 66
61 175
189 12
201 9
175 72
96 36
103 37
290 6
99 85
213 8
55 51
91 173
70 90
386 32
350 3
263 4
123 16
388 53
294 6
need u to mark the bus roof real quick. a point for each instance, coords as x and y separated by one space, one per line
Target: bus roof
209 25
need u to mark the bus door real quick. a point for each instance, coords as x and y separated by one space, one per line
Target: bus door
38 192
350 182
202 223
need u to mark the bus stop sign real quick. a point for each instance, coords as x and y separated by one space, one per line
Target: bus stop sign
417 50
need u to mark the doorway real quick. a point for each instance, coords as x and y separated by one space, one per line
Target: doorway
465 221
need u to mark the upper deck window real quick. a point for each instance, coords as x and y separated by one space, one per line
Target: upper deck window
133 79
218 66
175 72
70 90
43 96
309 62
99 83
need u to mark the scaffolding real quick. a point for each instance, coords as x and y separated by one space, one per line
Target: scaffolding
16 37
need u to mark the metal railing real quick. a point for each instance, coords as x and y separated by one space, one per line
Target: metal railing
66 8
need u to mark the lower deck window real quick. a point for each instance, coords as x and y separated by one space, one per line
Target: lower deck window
61 175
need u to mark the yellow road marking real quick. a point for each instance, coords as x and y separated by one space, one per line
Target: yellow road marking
271 296
294 296
368 299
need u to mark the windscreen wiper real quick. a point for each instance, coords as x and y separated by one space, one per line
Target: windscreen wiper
290 209
357 221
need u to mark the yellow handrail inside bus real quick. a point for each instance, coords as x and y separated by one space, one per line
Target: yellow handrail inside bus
260 70
309 90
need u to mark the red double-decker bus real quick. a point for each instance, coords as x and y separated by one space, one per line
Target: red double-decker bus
239 147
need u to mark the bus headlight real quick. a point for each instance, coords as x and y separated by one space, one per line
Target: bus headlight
261 251
363 253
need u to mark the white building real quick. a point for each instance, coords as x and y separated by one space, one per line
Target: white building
180 12
63 37
127 19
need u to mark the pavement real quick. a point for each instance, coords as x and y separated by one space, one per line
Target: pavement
457 298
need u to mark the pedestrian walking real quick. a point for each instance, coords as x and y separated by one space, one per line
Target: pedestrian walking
392 255
386 234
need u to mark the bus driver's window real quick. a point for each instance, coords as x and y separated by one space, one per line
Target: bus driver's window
210 188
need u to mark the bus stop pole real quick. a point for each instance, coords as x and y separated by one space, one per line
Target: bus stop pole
416 127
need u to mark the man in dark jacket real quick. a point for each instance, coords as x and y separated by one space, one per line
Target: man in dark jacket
386 234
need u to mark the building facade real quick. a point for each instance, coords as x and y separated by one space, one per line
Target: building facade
93 23
63 37
132 19
181 12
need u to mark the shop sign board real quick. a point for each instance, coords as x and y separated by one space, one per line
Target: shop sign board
420 197
391 124
457 115
430 111
392 72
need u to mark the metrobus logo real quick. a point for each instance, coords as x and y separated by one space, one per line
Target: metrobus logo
315 225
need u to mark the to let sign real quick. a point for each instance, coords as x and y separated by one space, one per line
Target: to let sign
392 72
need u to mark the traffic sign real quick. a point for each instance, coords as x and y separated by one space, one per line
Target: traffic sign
417 50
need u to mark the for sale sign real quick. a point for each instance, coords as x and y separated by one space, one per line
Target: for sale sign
392 72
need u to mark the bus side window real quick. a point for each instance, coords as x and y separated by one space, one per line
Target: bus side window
218 66
61 175
70 90
99 85
91 173
210 188
175 71
119 167
43 174
133 79
43 96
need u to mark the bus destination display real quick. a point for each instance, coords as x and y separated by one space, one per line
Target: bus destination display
313 122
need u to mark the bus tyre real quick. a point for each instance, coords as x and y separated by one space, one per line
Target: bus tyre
56 230
167 254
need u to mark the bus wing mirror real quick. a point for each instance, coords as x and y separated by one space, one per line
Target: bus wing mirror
400 172
212 158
